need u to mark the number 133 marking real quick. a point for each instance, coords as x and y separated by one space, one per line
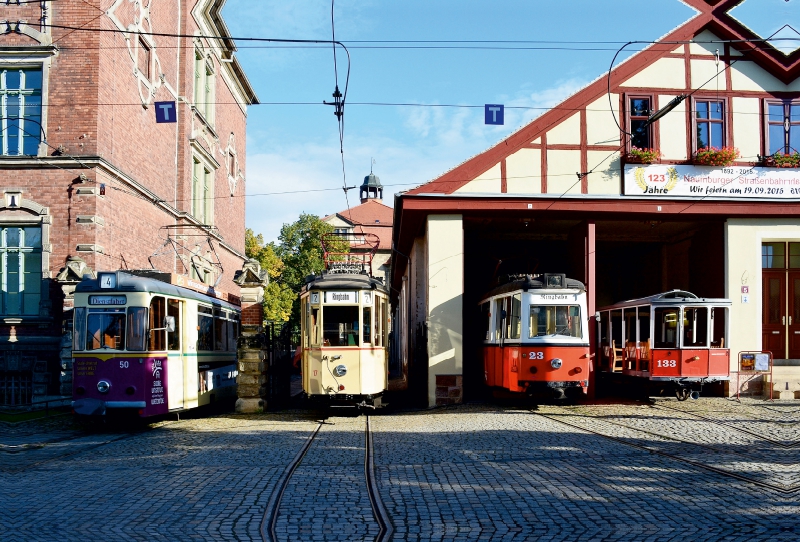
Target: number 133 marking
667 363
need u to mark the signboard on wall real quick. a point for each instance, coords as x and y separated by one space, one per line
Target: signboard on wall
735 182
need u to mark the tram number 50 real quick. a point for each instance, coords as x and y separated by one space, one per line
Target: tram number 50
123 364
667 363
535 355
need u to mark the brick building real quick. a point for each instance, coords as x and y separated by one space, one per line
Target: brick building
89 181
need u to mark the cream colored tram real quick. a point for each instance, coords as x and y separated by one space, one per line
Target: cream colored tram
344 339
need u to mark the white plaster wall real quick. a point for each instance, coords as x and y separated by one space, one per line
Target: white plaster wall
743 239
567 132
537 141
337 222
445 243
485 182
705 48
561 169
794 86
708 76
747 127
664 73
606 179
600 126
524 172
672 128
749 76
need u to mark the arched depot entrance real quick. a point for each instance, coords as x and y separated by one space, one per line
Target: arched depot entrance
632 258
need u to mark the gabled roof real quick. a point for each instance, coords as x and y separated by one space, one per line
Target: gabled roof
713 15
371 213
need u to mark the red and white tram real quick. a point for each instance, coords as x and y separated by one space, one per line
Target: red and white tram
673 338
537 336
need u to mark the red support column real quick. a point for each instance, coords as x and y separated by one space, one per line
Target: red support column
591 302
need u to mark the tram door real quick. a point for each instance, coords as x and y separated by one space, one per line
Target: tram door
175 357
781 299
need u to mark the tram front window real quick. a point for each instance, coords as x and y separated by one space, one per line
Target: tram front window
666 328
555 320
695 326
340 326
106 329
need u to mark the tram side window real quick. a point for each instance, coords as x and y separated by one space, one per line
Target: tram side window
499 312
174 337
616 328
137 329
105 329
220 331
555 320
340 326
718 327
486 318
367 330
695 326
233 331
666 328
644 324
79 329
205 329
158 333
378 322
515 320
630 325
313 326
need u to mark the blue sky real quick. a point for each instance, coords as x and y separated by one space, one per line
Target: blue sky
296 147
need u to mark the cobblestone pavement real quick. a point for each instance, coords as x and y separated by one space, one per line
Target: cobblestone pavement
712 469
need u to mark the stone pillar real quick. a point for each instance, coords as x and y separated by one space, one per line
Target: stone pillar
252 371
68 278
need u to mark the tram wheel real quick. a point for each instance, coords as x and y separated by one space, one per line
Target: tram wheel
682 393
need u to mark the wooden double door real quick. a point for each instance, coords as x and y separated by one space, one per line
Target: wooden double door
781 313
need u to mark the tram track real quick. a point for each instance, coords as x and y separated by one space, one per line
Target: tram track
777 443
675 457
269 522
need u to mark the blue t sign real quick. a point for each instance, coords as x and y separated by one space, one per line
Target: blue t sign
165 112
493 114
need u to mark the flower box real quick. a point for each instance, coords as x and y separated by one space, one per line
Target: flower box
713 156
782 160
642 156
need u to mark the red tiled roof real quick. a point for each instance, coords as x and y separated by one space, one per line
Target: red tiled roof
372 217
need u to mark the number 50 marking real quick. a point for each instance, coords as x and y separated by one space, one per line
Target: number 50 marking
123 364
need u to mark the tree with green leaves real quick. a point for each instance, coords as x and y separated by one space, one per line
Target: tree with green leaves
278 297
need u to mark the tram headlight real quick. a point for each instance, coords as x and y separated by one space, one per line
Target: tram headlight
103 386
556 363
339 371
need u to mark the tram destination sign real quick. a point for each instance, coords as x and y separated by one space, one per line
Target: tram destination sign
341 298
107 300
735 182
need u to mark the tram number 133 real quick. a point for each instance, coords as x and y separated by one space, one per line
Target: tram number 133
535 355
666 363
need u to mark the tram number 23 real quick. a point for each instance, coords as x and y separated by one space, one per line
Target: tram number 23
666 363
535 355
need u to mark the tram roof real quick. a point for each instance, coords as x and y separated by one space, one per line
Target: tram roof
672 297
528 282
127 282
344 281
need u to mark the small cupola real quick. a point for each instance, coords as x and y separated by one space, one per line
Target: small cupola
371 189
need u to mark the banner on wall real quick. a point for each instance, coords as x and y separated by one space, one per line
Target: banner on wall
735 182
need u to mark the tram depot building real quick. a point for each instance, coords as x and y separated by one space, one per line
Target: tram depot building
89 181
565 194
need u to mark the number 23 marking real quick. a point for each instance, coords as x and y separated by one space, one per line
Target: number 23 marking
535 355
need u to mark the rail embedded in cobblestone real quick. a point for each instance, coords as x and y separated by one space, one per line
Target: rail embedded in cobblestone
378 509
270 520
651 449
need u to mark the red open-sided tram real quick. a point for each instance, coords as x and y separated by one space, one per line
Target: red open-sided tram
536 335
673 338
